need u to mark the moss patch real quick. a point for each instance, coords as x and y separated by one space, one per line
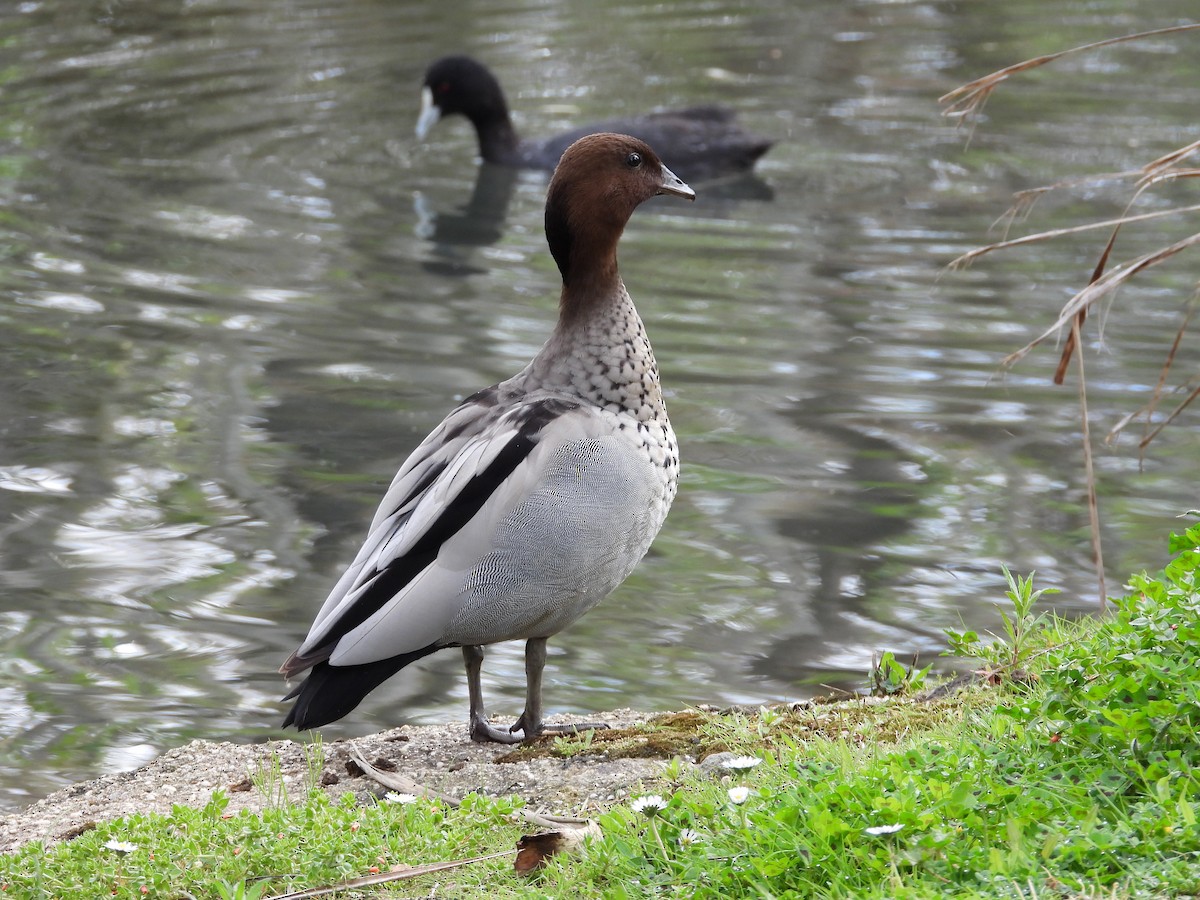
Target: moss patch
696 733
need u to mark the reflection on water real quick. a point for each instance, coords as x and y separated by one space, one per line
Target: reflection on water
235 293
478 223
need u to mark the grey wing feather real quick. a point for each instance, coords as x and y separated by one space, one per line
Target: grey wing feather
467 462
422 473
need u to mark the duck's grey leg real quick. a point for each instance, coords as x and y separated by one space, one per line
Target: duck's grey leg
481 729
530 723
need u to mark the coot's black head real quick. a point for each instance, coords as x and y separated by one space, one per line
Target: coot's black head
458 85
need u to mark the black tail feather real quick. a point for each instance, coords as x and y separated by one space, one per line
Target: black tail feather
330 692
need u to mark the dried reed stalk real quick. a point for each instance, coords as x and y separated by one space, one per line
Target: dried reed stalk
966 101
1100 288
1089 470
961 262
1149 409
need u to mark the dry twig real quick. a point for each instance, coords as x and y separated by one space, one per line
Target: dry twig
396 782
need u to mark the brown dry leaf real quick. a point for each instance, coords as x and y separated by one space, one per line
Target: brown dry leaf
533 850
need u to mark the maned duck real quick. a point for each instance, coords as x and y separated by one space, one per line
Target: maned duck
535 498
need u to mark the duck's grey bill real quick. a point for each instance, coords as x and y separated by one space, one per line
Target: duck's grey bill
673 184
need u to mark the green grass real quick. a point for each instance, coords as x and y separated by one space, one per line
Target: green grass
1069 770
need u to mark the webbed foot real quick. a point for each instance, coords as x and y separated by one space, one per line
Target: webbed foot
483 731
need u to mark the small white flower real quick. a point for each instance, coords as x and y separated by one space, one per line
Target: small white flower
120 846
397 797
739 794
649 804
882 829
741 763
687 837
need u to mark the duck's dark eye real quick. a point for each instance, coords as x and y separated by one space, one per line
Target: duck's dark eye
633 160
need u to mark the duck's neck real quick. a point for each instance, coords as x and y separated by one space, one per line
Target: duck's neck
585 250
589 285
598 350
600 353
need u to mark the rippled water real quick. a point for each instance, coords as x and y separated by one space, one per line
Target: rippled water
235 292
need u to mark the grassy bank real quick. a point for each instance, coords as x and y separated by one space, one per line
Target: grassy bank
1068 768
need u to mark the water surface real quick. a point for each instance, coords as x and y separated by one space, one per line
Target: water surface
236 292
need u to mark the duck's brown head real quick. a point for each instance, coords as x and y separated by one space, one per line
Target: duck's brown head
599 182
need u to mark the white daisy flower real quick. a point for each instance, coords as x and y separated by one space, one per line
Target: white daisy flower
739 794
882 829
687 837
741 763
649 804
397 797
120 846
